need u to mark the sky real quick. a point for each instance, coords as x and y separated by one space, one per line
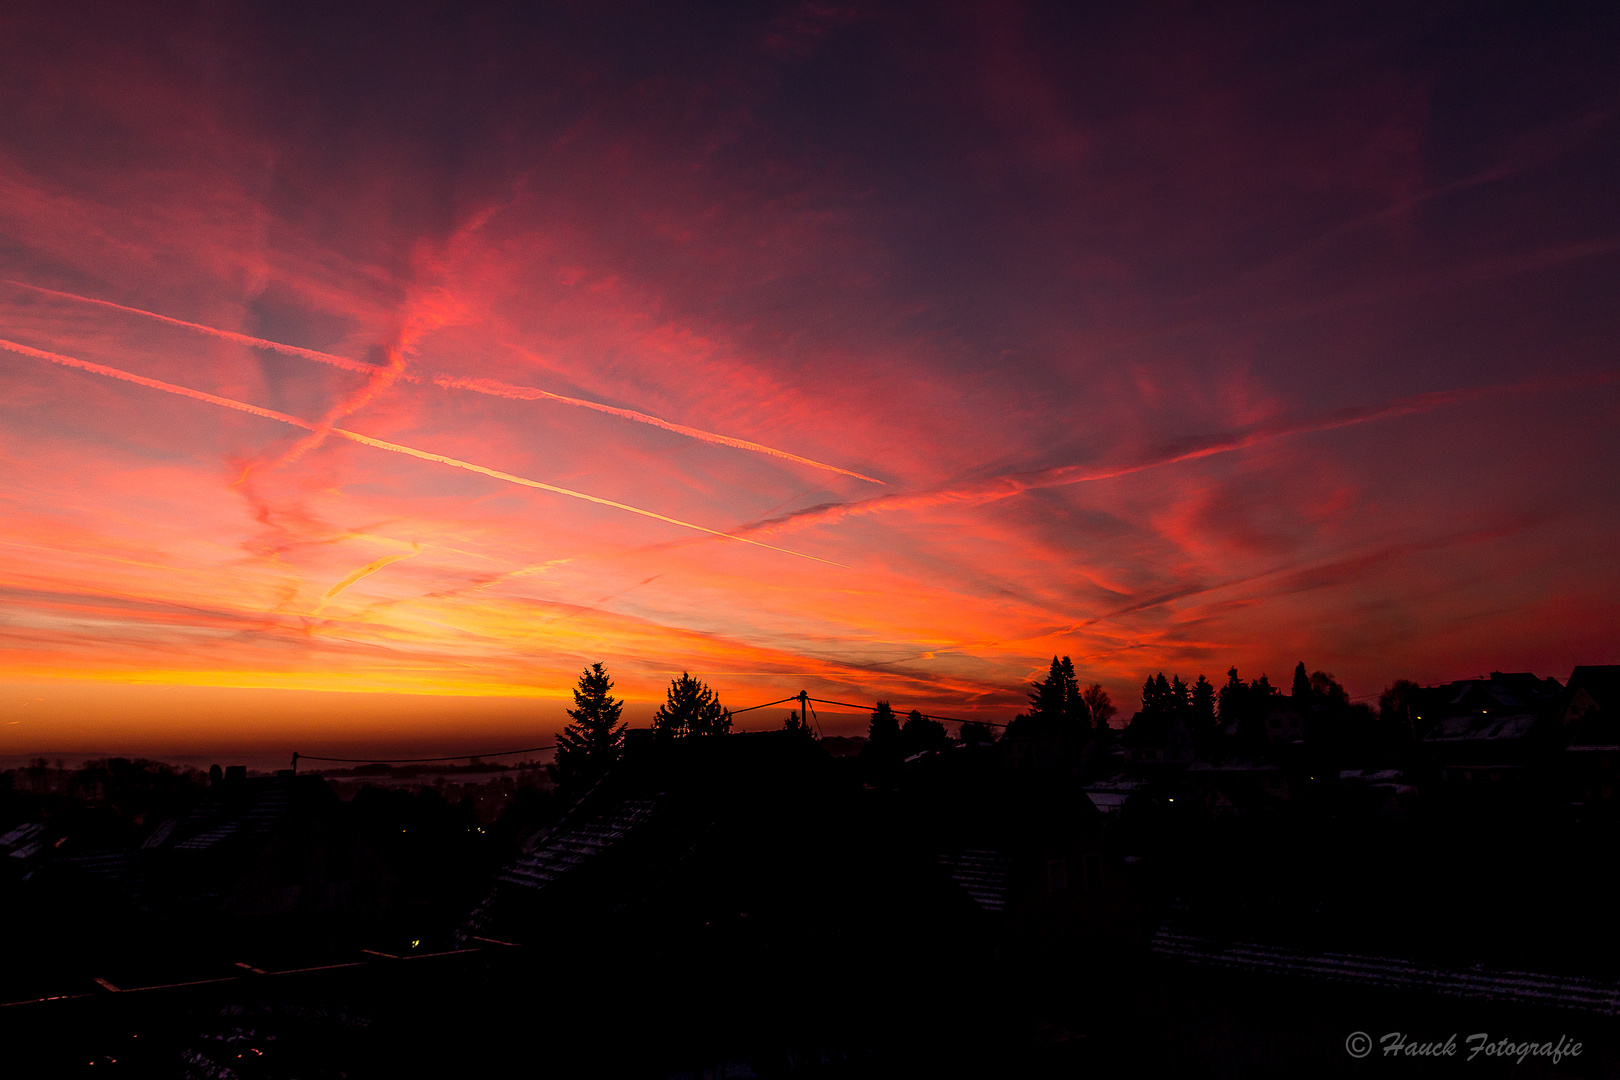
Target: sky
368 370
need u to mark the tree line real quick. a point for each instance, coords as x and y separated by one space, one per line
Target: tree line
1060 711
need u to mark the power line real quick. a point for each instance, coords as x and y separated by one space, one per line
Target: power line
767 705
925 716
802 697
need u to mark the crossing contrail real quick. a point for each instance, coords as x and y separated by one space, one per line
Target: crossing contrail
488 387
347 363
529 393
1191 449
381 444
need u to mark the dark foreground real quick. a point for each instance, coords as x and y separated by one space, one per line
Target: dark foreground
752 906
490 1012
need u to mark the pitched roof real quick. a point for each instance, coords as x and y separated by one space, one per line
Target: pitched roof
982 874
1483 726
568 848
1601 683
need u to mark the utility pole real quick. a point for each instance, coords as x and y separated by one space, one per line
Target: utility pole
804 709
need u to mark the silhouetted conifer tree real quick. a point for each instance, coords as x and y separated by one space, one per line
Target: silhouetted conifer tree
1301 690
1046 700
589 746
881 753
1179 697
884 728
798 726
1233 700
1203 706
1158 697
692 708
919 733
1075 713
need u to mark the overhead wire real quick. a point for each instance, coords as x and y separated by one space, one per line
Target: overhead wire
536 749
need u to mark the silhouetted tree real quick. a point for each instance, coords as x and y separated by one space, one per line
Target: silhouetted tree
974 733
1247 705
1178 700
1047 699
691 709
919 734
797 726
882 749
1326 689
1075 712
1158 696
589 746
1395 706
1203 707
1232 701
1098 705
1301 690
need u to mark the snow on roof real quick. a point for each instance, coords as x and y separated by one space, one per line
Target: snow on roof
1109 802
21 834
982 874
566 849
204 841
1370 775
1234 764
1483 726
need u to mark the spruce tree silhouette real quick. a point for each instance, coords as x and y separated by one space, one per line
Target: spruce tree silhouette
1301 689
1179 700
1157 696
587 748
1076 714
1233 701
919 734
882 749
692 708
1047 699
1203 705
884 729
1201 714
797 726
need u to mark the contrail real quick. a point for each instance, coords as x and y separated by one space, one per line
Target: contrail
353 436
529 393
370 568
1330 571
487 387
1002 487
344 362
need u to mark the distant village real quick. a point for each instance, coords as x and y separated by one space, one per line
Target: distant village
1218 828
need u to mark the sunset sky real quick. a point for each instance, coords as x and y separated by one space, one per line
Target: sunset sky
364 376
